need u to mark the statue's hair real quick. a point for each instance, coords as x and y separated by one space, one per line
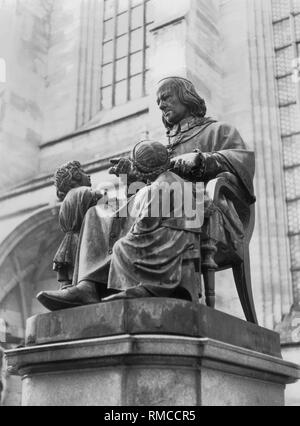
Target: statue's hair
187 95
64 178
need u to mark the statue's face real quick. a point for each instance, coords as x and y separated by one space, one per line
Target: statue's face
86 179
168 101
80 178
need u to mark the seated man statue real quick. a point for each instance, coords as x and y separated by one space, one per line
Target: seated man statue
200 149
149 260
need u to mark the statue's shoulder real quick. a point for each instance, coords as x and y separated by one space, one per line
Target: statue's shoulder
224 130
222 126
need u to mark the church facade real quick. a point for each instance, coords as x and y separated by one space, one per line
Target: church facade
79 83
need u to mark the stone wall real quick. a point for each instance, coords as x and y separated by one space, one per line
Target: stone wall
249 103
24 36
71 129
203 53
102 141
62 69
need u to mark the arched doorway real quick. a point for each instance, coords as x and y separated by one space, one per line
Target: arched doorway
25 269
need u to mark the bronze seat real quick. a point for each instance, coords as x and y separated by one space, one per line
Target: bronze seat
227 257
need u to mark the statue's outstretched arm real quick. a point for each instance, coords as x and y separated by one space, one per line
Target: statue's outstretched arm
198 166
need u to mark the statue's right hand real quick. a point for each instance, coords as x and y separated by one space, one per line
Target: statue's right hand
120 166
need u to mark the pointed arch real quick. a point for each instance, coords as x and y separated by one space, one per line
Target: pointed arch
26 253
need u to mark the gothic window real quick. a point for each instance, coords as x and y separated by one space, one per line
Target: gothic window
286 25
125 51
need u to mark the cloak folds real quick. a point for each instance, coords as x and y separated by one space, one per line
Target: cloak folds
151 253
212 137
71 215
123 252
101 230
242 164
225 151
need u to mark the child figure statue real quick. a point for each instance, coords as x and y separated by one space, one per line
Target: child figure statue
73 188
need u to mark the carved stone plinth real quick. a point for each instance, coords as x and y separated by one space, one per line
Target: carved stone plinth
145 361
149 316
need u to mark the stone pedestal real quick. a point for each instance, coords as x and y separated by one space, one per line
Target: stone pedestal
131 353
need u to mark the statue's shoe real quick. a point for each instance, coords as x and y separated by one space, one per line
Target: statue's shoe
131 293
68 298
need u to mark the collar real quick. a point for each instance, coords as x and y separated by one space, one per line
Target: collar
186 124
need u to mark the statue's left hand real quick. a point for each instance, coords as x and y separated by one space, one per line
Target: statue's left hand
123 167
189 166
120 166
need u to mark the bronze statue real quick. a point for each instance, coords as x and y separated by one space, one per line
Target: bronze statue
73 188
200 149
147 261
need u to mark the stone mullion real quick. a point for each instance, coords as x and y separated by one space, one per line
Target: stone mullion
271 221
82 65
293 30
95 65
164 22
129 50
144 46
261 206
89 60
97 72
114 62
296 284
297 60
283 295
293 43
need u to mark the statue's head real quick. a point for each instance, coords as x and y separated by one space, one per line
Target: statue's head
150 159
70 176
177 98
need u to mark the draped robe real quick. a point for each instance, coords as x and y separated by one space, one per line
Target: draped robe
152 252
223 149
71 215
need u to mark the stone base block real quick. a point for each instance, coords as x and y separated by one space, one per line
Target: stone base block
151 352
150 370
291 353
149 316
